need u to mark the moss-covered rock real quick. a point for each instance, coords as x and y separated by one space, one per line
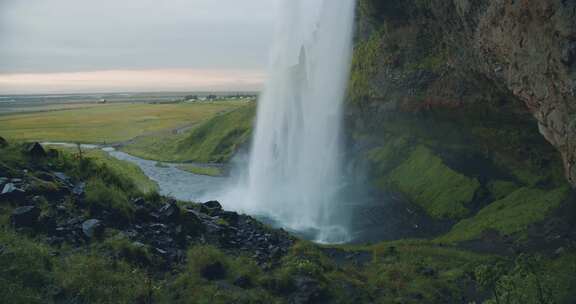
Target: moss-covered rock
427 181
511 214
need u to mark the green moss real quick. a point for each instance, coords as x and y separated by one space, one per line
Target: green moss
509 215
365 66
500 189
428 182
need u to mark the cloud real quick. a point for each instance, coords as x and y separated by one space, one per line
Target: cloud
132 81
53 36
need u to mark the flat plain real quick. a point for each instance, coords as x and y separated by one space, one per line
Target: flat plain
109 123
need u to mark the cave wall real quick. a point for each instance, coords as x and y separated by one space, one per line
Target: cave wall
466 108
511 64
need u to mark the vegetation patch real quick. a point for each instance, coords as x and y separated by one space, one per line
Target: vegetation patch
511 214
441 191
201 170
213 141
108 122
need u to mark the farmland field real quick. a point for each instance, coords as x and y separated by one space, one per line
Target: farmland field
108 123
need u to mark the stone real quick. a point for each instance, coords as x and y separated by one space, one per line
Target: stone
213 205
3 142
191 222
169 212
26 216
307 291
230 217
92 228
79 189
35 150
213 271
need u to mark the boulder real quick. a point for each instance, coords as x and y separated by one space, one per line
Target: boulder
230 217
26 216
243 281
191 222
213 205
213 271
3 142
79 189
169 212
35 150
92 228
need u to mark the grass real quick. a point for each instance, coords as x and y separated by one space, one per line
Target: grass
125 169
213 141
107 123
209 171
442 192
509 215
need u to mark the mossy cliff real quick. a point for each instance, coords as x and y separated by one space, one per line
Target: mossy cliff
467 108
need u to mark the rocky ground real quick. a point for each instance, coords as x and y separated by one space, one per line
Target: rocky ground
168 227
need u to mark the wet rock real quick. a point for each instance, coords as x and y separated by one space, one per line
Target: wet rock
142 214
307 291
230 217
35 150
79 189
26 216
215 205
212 208
191 222
92 228
213 271
11 192
169 212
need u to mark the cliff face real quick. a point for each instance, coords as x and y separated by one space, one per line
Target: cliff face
467 108
494 60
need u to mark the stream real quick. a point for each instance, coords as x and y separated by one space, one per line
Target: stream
171 180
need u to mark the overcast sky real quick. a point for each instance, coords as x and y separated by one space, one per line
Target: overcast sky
75 45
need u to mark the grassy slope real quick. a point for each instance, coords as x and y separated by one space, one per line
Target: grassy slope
106 123
215 140
124 169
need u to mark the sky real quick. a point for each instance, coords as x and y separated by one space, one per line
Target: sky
59 46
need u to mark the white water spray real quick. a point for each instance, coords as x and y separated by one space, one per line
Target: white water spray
294 171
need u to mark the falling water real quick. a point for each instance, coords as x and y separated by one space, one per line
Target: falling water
294 170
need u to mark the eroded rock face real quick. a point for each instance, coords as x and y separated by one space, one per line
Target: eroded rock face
535 44
448 54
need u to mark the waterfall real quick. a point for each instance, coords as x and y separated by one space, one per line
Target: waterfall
295 168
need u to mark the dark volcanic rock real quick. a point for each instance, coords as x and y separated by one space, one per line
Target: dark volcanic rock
79 189
169 212
92 228
214 271
35 150
307 291
26 216
212 207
